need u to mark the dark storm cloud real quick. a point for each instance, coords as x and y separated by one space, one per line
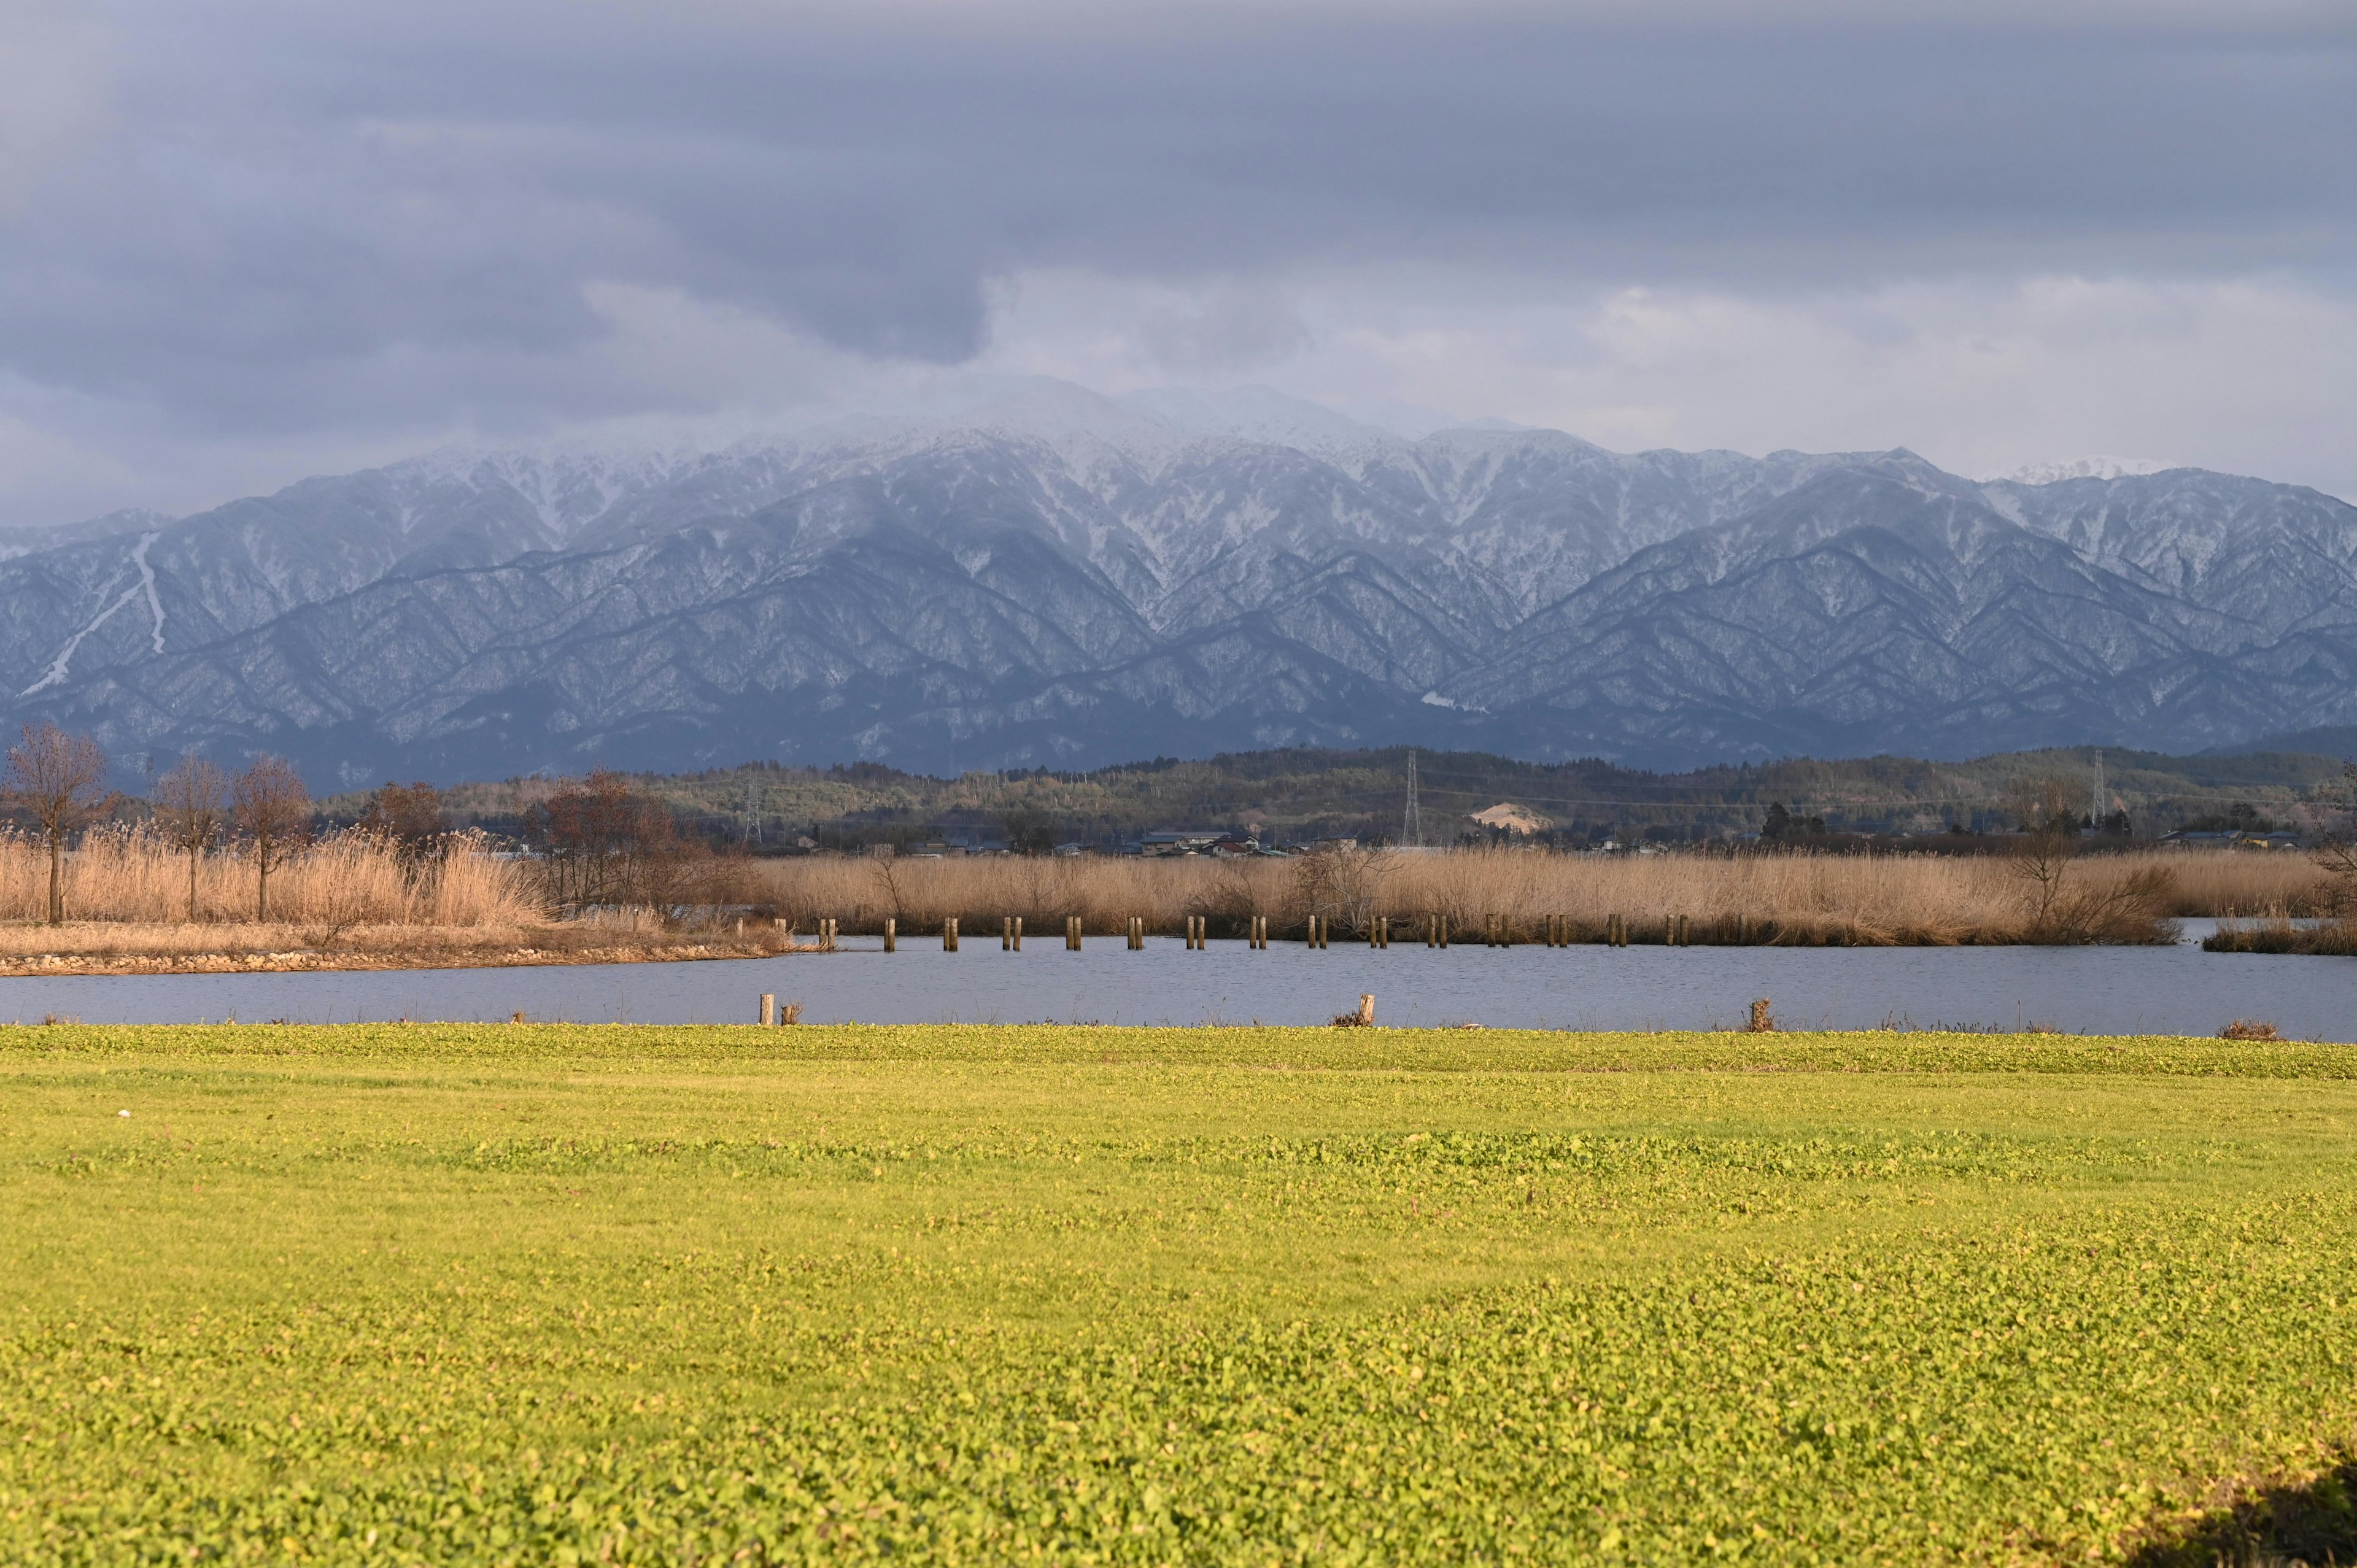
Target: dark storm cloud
300 217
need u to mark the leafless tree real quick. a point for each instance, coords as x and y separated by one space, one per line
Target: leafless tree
2336 849
58 779
1344 880
2044 809
191 804
410 819
273 810
605 843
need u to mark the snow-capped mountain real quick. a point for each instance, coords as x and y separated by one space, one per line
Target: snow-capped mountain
1027 574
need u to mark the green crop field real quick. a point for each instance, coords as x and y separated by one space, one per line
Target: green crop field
551 1295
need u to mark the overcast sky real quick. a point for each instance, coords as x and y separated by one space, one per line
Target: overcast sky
249 241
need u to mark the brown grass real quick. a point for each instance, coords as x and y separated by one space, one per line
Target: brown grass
348 901
351 894
343 881
2276 934
1791 899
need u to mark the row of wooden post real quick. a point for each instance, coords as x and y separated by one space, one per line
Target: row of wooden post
1677 931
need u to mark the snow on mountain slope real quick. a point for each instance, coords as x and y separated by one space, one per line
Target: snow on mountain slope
1018 572
2092 467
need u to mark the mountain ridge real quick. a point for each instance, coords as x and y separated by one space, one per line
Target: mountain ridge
1048 576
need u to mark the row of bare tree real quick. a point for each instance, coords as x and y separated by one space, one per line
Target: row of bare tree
59 780
601 841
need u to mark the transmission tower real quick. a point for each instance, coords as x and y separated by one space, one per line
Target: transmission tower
1412 819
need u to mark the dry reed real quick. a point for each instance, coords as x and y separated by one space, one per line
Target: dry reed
1791 899
342 881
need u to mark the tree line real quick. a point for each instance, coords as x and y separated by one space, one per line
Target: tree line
59 780
599 840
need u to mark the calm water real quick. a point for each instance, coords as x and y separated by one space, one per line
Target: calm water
2179 990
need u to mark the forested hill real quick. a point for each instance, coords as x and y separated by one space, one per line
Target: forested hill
1293 795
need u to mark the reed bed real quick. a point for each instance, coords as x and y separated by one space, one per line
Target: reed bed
2331 938
343 882
126 892
1787 899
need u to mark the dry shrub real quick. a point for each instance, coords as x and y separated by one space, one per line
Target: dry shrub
2249 1029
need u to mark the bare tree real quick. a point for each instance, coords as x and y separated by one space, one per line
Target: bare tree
409 819
58 780
2044 807
1342 880
190 803
604 843
273 810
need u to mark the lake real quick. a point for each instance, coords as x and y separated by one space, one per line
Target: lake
2169 990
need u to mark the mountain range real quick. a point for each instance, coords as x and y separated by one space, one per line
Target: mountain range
1025 574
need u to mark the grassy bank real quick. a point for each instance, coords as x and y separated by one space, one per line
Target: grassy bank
534 1294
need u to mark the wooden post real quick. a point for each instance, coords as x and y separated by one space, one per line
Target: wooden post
891 934
1367 1012
770 1007
826 935
1431 931
949 934
1071 933
1443 932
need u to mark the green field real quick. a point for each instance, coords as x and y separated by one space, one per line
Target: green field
556 1294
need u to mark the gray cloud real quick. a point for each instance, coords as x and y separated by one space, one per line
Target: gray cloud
263 220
